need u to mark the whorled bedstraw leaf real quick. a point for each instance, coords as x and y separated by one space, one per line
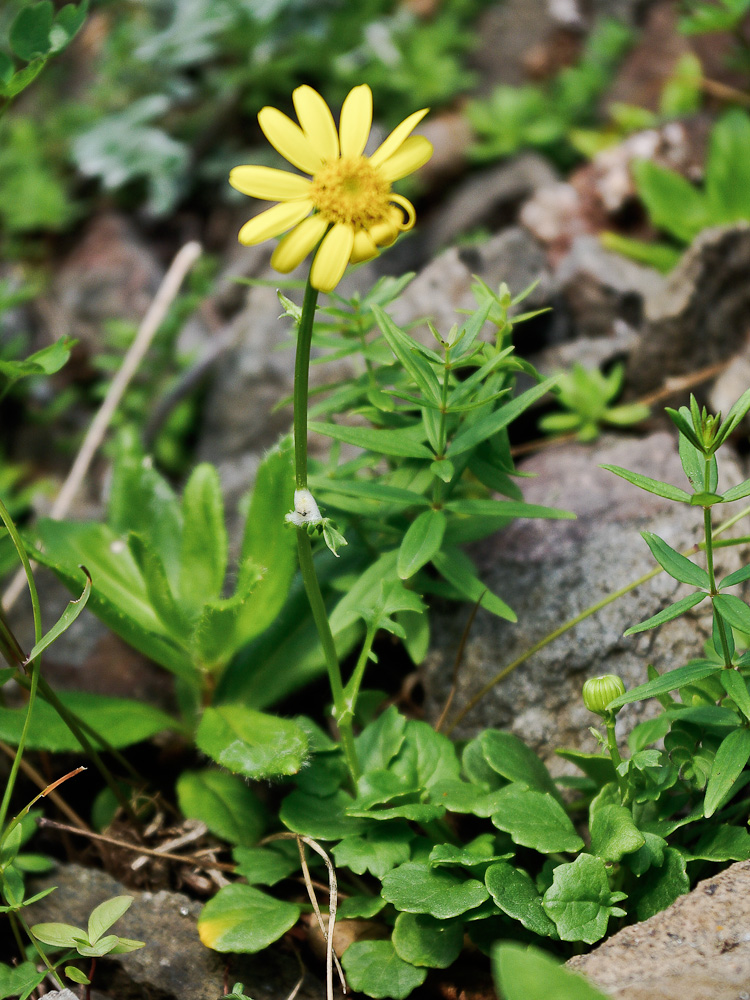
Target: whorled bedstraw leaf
731 758
403 347
580 901
421 541
224 803
650 485
374 968
485 427
668 614
424 941
398 442
457 568
242 919
418 888
515 893
672 680
527 973
734 611
535 819
678 566
255 744
735 686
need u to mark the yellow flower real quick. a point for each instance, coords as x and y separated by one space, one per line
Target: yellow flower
348 202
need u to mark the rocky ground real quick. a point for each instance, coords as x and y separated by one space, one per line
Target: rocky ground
604 308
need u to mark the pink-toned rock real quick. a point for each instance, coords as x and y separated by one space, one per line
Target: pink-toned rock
698 949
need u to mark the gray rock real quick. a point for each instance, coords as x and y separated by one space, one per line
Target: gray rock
601 287
110 274
174 965
59 995
443 288
549 572
701 315
698 948
488 198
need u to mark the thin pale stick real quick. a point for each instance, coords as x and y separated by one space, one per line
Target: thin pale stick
331 957
153 319
186 859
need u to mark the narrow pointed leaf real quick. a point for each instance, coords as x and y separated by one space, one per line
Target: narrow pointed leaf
670 681
486 427
69 615
422 540
394 441
730 760
734 611
668 614
403 347
650 485
458 570
678 566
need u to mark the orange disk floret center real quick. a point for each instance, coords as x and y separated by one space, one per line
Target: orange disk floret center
350 190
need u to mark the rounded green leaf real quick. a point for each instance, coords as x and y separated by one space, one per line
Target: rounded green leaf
262 866
30 31
528 974
224 803
580 901
252 743
424 941
416 888
374 968
613 833
243 919
319 818
514 892
662 886
535 819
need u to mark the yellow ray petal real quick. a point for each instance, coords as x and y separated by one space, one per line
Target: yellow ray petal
317 122
297 245
364 247
274 221
410 156
289 139
397 136
384 233
332 257
356 121
269 184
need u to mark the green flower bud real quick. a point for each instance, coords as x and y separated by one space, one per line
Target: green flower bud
598 692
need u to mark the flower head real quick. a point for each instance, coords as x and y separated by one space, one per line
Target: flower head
346 204
598 692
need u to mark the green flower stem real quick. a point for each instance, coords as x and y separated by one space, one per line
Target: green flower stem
615 757
721 628
586 613
301 384
353 684
40 951
342 712
35 666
